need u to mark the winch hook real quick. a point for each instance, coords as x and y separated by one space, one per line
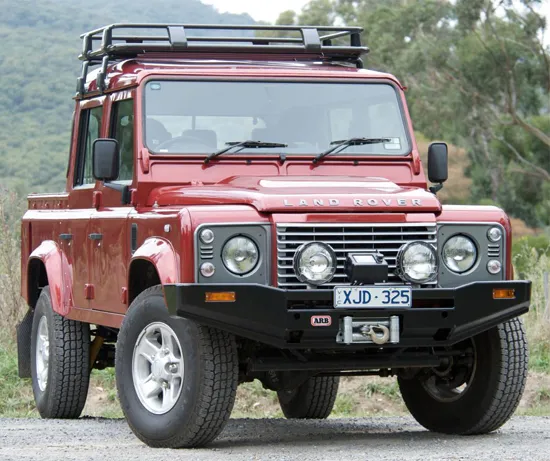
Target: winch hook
379 334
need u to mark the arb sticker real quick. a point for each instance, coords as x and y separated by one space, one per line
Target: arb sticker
321 320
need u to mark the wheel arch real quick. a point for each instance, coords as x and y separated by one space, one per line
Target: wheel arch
155 262
48 265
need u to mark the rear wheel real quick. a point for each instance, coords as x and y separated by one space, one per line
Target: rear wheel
176 379
314 399
478 391
60 361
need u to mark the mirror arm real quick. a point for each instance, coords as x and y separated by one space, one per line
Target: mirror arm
122 188
435 189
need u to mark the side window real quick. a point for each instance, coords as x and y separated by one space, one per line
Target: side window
122 129
90 128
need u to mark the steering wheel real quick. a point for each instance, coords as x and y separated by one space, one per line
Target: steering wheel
183 141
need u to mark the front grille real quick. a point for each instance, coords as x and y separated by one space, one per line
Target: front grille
344 238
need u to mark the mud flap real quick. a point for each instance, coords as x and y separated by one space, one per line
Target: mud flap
24 345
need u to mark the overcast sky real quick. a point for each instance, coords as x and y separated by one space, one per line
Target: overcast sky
260 10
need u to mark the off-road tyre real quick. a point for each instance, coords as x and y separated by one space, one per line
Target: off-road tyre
209 383
68 372
493 395
314 399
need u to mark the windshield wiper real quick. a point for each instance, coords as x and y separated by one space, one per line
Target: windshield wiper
244 145
343 143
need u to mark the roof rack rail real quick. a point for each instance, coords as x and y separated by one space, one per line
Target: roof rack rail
124 41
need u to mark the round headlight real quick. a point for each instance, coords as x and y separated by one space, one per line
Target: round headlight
206 236
417 262
240 255
315 263
459 254
494 234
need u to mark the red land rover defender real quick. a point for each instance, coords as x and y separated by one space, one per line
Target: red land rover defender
244 207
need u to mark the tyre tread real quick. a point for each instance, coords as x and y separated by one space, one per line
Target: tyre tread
512 378
71 376
314 400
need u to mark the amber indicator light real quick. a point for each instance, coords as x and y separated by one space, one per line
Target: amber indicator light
504 293
220 297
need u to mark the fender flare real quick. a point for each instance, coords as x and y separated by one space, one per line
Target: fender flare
161 254
59 273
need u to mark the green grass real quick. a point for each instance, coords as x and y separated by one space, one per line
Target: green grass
389 390
537 321
345 406
539 358
16 399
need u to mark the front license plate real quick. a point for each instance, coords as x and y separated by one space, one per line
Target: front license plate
372 296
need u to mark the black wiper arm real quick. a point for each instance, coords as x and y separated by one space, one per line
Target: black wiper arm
339 146
244 145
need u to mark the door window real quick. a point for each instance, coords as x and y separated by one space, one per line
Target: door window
90 129
122 129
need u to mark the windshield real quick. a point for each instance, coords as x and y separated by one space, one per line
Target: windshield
186 117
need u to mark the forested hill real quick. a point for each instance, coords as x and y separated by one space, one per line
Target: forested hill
39 44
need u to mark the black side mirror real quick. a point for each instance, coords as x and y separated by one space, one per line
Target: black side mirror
105 159
438 168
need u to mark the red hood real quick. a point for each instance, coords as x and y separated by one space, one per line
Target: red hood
302 194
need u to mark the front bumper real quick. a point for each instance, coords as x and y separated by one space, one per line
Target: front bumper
283 318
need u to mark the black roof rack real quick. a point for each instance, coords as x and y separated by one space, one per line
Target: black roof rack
124 41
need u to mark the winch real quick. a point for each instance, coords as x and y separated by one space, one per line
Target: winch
369 331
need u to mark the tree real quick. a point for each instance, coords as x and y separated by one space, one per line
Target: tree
474 69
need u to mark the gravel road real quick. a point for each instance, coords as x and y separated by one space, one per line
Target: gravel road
276 439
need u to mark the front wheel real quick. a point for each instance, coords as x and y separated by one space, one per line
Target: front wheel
176 379
478 391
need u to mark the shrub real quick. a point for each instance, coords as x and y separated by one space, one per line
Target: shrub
527 251
11 304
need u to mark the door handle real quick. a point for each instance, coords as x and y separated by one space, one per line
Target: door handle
65 236
95 236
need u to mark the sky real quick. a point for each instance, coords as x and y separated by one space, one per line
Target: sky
260 10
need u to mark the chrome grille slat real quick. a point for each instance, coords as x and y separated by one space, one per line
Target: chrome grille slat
345 238
493 250
362 234
346 250
350 242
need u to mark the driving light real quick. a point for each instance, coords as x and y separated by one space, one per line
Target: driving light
206 236
208 269
240 255
494 234
494 266
417 262
314 263
459 254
